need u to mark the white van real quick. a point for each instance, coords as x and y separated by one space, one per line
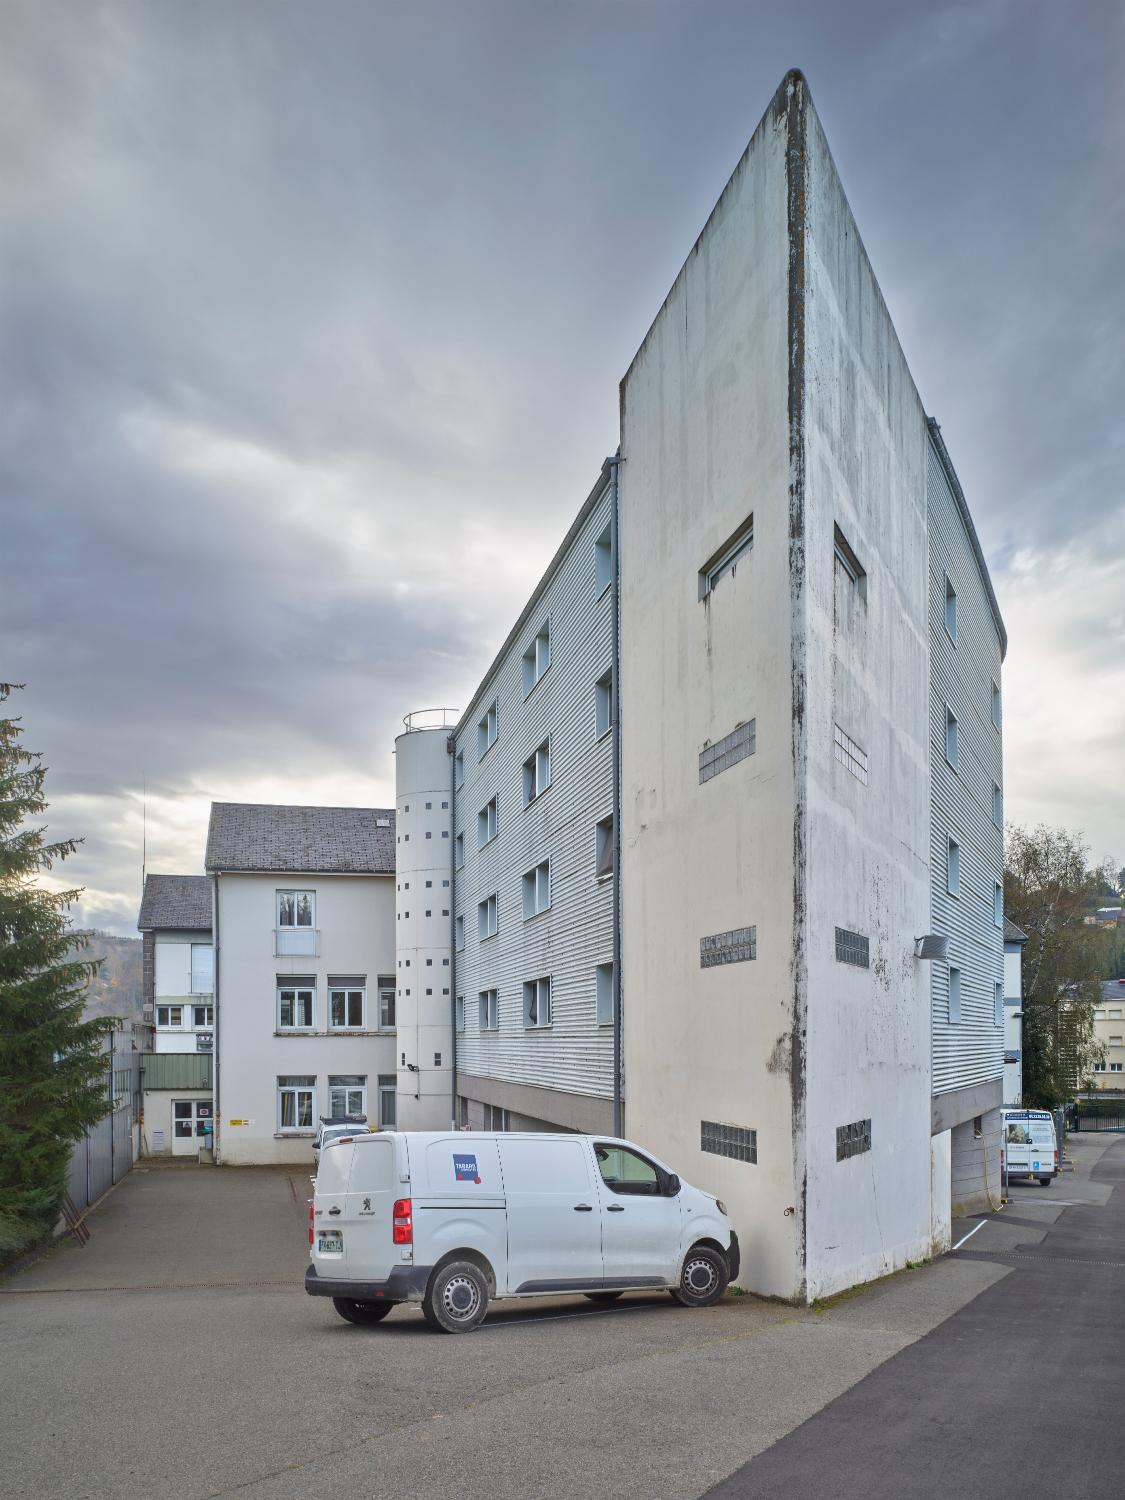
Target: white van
1029 1145
452 1220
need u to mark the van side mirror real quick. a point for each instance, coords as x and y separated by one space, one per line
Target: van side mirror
672 1185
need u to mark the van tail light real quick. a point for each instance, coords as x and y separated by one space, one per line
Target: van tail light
1056 1161
312 1210
402 1226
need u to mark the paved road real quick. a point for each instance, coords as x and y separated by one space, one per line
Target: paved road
1016 1394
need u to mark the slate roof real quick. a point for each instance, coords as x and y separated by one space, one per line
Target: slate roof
178 901
315 840
1012 933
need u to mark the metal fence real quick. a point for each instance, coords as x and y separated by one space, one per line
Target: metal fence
1099 1122
105 1153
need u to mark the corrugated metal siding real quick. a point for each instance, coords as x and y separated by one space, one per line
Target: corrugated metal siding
961 675
177 1070
570 939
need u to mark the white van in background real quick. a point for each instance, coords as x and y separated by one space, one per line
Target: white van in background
1029 1144
452 1220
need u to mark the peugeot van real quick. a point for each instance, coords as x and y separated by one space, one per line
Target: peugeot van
1029 1145
453 1220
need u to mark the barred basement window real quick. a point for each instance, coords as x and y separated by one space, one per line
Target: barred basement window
853 1140
727 752
852 948
734 947
735 1141
850 755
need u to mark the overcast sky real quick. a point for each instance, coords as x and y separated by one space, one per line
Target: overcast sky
312 318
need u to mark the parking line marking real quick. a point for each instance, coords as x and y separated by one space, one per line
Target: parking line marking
970 1234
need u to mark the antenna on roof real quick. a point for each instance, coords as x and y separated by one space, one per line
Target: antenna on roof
144 829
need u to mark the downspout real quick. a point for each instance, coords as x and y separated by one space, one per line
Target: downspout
451 746
615 700
216 1050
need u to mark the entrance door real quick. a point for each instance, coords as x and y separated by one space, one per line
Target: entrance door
191 1125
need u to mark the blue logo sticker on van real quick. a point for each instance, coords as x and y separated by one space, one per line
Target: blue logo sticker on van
465 1169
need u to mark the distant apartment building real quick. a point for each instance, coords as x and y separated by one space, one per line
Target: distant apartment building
177 1115
304 933
740 752
1109 1037
1014 941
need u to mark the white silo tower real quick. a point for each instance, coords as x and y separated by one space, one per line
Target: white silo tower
423 924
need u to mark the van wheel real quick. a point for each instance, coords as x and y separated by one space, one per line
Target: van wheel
361 1312
703 1279
602 1296
1045 1181
456 1299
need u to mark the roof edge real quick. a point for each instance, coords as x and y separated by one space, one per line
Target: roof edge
963 506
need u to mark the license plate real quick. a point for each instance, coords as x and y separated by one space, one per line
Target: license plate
330 1244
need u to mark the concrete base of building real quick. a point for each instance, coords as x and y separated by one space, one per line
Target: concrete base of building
958 1105
531 1108
975 1165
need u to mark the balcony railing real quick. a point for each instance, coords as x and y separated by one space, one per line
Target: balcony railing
300 941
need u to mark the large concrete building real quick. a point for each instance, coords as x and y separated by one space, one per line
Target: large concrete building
739 753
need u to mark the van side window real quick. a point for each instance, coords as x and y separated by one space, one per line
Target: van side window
623 1171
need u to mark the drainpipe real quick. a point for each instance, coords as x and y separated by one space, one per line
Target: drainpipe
615 700
451 746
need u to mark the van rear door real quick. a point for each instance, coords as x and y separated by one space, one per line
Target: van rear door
554 1217
369 1249
329 1199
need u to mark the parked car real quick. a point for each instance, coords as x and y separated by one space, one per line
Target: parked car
332 1127
453 1220
1030 1147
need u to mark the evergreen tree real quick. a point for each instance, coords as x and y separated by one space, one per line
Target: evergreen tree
53 1081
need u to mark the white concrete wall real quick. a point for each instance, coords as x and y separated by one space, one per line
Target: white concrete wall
941 1205
704 446
423 902
172 986
355 920
158 1117
866 655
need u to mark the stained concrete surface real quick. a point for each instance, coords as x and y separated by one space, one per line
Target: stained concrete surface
177 1355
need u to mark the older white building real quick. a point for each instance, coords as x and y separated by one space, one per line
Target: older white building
696 916
304 934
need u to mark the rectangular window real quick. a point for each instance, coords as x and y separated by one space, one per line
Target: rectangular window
604 982
203 1016
727 558
489 1001
460 1010
950 610
296 908
739 945
603 704
1116 1067
850 755
738 745
202 969
296 1003
459 932
954 995
386 1002
603 847
998 1003
388 1089
852 948
486 733
734 1141
537 1002
347 1094
296 1103
537 890
996 704
459 770
603 562
347 1003
486 918
951 737
537 773
998 904
537 658
169 1015
953 868
459 852
486 823
849 576
997 806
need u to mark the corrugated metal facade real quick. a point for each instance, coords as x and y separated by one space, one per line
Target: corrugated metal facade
177 1070
575 934
962 674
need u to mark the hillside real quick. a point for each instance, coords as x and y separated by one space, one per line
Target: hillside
116 990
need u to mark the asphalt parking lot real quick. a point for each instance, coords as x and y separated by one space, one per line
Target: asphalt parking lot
177 1355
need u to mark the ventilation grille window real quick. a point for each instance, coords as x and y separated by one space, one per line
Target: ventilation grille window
852 948
850 756
853 1140
728 751
734 947
734 1141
